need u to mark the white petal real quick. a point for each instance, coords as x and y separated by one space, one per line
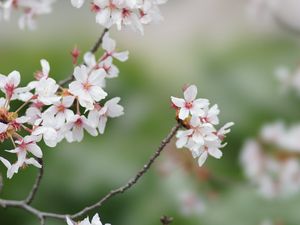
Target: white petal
190 93
215 152
183 113
202 158
179 102
35 150
77 3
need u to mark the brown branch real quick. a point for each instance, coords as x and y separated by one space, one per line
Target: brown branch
96 46
135 179
93 50
284 25
43 215
36 185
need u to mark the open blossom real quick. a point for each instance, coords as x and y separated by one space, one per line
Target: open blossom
24 146
29 9
275 171
86 221
5 9
60 111
111 109
76 127
109 45
131 13
200 137
189 105
9 84
52 113
87 86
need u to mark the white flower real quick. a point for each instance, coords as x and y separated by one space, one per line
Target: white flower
45 90
45 70
77 3
110 109
87 86
60 110
5 9
201 137
32 9
190 105
77 125
109 45
211 148
95 221
109 13
9 84
28 144
11 168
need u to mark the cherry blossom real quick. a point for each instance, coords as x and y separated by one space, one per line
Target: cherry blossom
9 84
87 86
189 105
109 45
274 171
86 221
200 136
99 115
77 125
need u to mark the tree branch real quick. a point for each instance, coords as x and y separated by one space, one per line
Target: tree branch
36 185
93 50
43 215
284 25
134 180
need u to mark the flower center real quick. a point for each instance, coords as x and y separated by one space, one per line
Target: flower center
87 86
188 105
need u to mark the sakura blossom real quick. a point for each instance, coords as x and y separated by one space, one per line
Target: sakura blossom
29 11
275 171
53 113
126 13
200 137
86 221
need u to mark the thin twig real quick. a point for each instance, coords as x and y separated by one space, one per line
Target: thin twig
135 179
36 185
96 46
43 215
93 50
284 25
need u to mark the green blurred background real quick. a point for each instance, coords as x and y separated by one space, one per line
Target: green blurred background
209 43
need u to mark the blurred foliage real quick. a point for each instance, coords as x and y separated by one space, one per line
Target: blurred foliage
240 78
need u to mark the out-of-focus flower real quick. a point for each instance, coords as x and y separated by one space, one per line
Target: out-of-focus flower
270 163
124 12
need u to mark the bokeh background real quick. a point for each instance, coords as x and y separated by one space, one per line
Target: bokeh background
230 55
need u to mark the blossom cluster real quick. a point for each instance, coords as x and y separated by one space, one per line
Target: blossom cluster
200 137
132 13
86 221
288 79
29 9
271 163
53 113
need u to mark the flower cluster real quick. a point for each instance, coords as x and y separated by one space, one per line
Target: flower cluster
132 13
271 163
288 79
86 221
54 113
201 136
29 9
